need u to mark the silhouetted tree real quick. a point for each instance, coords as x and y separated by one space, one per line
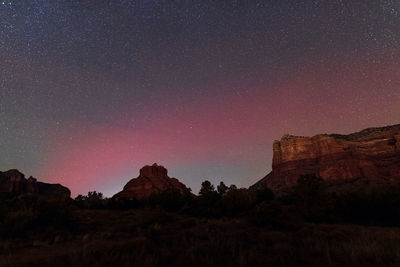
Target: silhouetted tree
93 195
264 194
232 187
312 198
222 188
80 198
371 206
207 188
237 201
205 203
92 200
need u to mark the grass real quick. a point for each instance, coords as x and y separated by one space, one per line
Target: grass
145 237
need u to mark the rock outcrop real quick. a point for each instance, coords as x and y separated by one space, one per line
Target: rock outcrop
369 157
13 183
152 179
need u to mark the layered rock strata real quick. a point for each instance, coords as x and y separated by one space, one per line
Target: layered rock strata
369 157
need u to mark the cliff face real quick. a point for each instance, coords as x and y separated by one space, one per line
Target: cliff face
13 182
152 179
371 156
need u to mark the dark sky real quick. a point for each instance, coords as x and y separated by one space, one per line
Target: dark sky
90 91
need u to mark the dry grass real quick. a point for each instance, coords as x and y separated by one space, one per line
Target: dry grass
156 238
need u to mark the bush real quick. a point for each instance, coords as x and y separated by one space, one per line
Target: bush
93 200
312 199
376 206
170 200
27 213
237 201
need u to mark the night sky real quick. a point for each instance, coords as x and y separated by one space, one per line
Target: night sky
90 91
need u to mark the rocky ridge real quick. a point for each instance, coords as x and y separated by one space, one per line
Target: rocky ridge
13 182
368 157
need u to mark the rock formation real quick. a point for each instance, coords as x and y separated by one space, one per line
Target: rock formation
369 157
152 179
13 182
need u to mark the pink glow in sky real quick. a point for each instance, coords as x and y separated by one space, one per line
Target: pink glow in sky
223 137
90 92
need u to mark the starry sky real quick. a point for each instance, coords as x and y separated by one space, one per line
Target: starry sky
92 90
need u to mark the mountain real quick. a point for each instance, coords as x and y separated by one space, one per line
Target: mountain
152 179
368 157
13 182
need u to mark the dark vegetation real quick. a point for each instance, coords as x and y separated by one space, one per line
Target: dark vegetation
223 226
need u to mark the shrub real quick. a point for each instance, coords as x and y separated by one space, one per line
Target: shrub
93 200
312 199
376 206
27 213
170 200
237 201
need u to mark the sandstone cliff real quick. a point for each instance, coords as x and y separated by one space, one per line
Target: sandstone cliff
13 182
369 157
152 179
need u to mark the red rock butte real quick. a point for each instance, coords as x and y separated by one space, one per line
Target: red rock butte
369 157
13 182
152 179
